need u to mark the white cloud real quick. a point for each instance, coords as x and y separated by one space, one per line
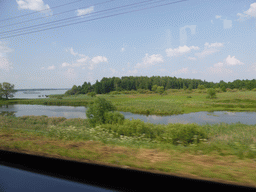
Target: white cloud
4 49
72 51
192 58
34 5
213 45
122 50
81 12
206 52
5 64
233 61
251 12
180 71
51 67
209 49
99 59
180 50
83 60
65 64
217 16
219 68
148 61
220 64
95 60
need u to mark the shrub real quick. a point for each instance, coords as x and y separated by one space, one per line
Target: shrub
254 89
218 90
92 94
200 87
160 89
96 111
223 88
142 91
186 134
211 93
114 118
59 97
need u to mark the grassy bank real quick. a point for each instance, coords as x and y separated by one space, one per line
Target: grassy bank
175 102
221 151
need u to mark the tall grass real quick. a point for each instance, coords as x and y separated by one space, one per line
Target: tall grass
225 139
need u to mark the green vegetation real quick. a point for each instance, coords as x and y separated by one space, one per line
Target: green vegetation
224 139
172 101
211 93
173 148
6 90
155 84
101 111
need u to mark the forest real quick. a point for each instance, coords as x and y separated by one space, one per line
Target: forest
126 83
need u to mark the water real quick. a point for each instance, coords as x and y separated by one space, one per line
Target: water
12 179
79 112
34 94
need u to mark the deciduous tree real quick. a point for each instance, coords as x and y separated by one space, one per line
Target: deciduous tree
7 90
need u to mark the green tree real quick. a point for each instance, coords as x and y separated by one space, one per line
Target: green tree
92 94
160 89
184 86
200 87
223 88
211 93
96 112
154 88
7 90
190 87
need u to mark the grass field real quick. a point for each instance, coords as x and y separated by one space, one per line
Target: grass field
175 102
226 153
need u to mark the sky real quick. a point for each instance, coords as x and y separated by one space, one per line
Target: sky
211 40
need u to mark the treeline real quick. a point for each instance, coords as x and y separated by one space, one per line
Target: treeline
107 85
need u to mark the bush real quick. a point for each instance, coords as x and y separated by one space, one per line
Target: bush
114 118
96 111
160 89
186 134
200 87
142 91
223 88
211 93
92 94
59 97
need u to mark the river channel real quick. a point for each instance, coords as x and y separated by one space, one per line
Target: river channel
79 112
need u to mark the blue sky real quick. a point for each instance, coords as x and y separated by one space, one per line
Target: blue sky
197 39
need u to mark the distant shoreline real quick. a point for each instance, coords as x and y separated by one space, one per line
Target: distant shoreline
41 89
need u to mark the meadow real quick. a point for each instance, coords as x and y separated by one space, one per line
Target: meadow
220 152
174 101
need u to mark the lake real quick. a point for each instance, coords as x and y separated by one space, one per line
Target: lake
34 94
79 112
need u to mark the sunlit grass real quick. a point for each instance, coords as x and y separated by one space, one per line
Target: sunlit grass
175 102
